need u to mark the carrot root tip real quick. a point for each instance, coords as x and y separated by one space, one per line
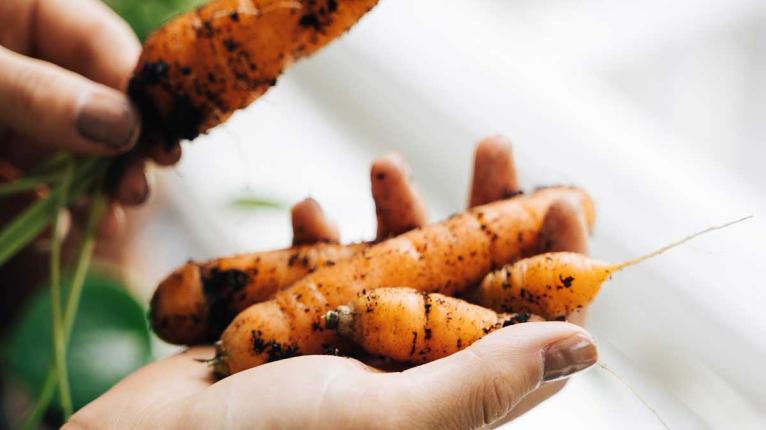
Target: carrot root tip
331 320
220 363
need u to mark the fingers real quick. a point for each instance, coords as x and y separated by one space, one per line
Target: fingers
310 224
112 223
398 206
128 181
62 110
87 37
494 172
163 153
147 390
481 384
313 392
564 228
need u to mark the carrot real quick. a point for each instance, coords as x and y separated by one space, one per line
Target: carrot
555 284
407 325
198 300
195 303
200 67
447 257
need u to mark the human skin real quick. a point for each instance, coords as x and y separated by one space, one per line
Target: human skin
64 65
63 68
496 379
479 386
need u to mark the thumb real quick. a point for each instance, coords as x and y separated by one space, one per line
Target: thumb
63 110
481 384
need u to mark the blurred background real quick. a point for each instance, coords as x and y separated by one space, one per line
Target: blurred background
657 108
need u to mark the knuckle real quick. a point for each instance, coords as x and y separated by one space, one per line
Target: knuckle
503 387
495 400
28 85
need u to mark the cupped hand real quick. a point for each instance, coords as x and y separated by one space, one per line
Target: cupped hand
478 386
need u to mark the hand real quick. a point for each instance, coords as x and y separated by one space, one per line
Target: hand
497 378
478 386
64 66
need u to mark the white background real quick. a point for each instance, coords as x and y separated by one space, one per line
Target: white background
656 107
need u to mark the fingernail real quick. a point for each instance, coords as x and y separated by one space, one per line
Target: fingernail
568 356
108 119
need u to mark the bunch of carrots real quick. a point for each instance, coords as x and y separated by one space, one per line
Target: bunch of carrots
395 296
515 257
416 293
198 69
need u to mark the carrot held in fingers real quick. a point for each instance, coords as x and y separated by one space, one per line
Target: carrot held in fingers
409 326
448 257
200 67
555 284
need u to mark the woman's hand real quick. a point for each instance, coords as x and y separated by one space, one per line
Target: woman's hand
478 386
64 65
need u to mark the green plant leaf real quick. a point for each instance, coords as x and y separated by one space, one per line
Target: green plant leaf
26 226
110 339
145 16
252 203
22 185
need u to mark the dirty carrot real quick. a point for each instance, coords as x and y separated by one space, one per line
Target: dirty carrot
407 325
196 302
555 284
448 257
200 67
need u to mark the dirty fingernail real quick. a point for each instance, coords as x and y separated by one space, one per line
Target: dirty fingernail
569 356
108 119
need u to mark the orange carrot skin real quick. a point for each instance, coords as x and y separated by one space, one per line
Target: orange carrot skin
410 326
196 302
448 257
200 67
552 285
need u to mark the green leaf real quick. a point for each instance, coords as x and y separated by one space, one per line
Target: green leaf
77 281
52 164
145 16
110 339
26 226
252 203
22 185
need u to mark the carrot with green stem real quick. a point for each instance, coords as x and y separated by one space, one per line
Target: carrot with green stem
555 284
